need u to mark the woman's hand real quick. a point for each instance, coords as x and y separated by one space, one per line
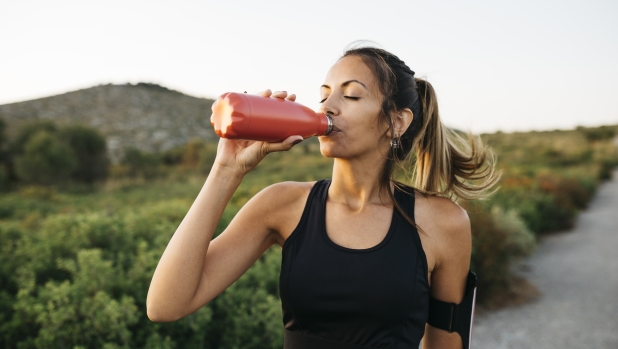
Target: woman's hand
242 156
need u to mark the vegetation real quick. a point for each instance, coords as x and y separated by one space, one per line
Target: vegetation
4 179
75 265
547 178
89 150
43 154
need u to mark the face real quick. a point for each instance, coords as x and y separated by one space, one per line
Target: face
351 97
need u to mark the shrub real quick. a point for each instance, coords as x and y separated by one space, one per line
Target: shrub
598 133
29 130
519 240
81 280
196 154
173 156
141 164
248 313
38 192
498 236
548 201
4 177
606 169
3 152
2 132
45 160
79 311
191 155
90 150
207 157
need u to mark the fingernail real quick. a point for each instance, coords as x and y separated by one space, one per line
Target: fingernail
297 141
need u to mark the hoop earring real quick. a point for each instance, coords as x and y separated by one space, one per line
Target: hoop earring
395 143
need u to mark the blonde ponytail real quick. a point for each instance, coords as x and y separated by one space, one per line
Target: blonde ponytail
447 163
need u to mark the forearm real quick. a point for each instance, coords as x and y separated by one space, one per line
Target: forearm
179 271
440 339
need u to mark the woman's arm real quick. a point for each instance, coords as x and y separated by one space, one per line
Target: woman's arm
453 248
193 270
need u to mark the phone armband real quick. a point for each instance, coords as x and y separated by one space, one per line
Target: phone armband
453 317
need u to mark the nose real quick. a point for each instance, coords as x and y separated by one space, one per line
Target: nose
329 107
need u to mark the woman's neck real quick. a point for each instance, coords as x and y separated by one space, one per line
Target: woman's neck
356 183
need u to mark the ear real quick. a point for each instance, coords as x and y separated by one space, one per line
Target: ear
401 121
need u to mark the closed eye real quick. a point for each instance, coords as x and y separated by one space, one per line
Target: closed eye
347 97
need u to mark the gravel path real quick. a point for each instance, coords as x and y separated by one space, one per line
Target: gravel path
577 274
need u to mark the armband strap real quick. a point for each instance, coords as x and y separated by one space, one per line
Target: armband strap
453 317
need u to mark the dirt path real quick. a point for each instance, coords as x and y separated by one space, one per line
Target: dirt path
577 275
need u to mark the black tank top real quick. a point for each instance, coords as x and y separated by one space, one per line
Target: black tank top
337 297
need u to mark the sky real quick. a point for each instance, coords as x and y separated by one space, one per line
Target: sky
495 65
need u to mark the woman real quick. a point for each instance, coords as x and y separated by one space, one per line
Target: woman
362 253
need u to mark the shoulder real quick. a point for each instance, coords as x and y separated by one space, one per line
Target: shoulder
285 193
446 215
447 228
281 205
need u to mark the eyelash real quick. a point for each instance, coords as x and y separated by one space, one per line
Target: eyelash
348 97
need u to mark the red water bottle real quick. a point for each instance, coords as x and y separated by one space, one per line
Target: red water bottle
251 117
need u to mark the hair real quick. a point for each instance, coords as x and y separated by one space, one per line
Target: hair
442 161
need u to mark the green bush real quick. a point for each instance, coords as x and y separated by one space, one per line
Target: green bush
173 156
2 133
44 154
598 133
142 164
27 131
207 157
3 152
81 280
498 237
78 311
4 177
248 314
4 159
90 151
549 201
45 160
36 192
197 154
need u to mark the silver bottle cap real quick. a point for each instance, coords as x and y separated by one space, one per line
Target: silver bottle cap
329 128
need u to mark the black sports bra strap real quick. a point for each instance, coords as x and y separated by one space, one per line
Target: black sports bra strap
408 208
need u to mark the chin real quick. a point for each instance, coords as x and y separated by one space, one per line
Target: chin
327 147
327 152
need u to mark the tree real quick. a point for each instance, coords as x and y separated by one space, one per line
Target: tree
3 155
45 160
2 137
27 131
89 148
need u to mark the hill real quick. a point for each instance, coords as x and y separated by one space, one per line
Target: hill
145 116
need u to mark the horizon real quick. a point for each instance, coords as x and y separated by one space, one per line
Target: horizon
173 90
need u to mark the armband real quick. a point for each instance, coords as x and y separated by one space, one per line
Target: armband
453 317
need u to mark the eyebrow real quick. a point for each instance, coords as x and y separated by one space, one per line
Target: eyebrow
346 84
